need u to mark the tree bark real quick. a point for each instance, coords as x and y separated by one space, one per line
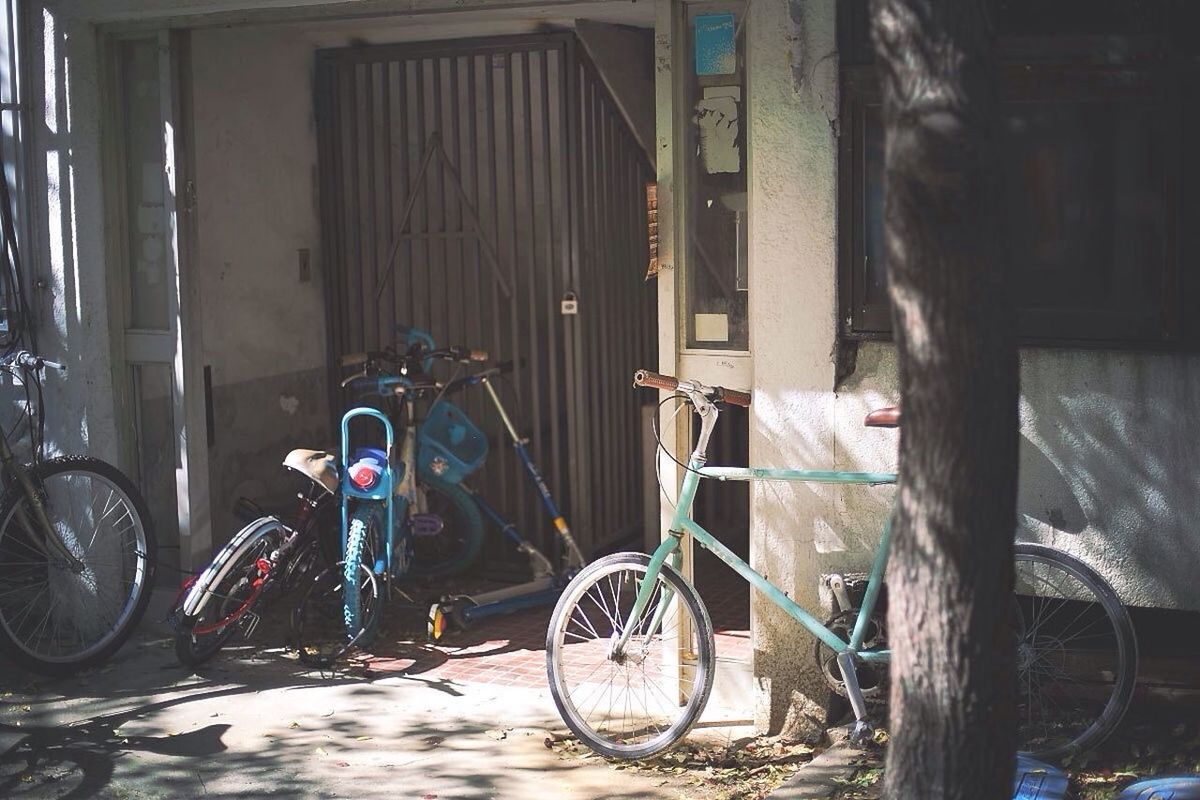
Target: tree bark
953 719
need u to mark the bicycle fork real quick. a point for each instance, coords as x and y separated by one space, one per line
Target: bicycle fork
52 543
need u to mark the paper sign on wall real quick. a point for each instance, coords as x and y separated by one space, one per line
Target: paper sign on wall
715 43
712 327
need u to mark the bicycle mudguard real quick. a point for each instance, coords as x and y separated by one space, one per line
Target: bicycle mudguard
198 595
1038 781
1179 788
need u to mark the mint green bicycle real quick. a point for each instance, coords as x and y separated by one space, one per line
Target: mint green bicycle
630 654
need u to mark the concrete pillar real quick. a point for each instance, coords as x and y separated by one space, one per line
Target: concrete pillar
793 103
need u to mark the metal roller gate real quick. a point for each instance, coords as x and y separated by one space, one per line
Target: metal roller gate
558 184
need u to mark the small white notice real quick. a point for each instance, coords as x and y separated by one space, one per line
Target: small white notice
712 327
717 119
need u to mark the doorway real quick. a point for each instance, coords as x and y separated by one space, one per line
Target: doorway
157 377
532 246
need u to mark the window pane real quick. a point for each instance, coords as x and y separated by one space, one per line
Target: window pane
149 284
715 280
1085 206
1086 216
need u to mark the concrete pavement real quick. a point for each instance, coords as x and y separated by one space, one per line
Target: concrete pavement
257 724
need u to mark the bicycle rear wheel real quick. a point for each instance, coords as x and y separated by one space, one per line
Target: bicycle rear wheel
1076 654
457 545
647 699
55 617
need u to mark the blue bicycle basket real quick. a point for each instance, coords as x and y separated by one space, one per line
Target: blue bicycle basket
452 447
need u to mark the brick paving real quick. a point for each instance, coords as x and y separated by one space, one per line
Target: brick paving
511 650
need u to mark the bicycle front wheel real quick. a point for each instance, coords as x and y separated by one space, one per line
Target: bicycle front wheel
645 699
364 562
57 617
1076 654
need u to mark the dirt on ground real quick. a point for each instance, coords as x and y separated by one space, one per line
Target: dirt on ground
745 769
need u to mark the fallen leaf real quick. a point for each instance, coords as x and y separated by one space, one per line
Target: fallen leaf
294 725
341 763
320 751
363 738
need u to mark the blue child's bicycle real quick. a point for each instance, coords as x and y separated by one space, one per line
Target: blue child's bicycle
405 508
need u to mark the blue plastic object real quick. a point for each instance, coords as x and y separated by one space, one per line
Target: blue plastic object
452 447
1038 781
1179 788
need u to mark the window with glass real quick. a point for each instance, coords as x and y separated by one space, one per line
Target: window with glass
1095 120
715 285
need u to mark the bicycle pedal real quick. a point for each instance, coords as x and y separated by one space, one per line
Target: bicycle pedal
426 524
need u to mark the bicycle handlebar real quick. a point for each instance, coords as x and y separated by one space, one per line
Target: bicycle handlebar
26 359
654 380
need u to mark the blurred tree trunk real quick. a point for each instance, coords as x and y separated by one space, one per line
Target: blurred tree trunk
953 720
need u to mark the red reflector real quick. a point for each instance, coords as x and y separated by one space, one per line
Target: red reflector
364 477
263 565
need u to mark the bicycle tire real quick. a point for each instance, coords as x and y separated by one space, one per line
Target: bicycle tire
1055 659
233 596
558 662
364 545
318 627
135 567
456 547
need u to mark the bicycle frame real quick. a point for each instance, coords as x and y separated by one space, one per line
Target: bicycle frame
682 523
14 470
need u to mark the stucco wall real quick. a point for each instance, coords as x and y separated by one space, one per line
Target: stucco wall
1110 449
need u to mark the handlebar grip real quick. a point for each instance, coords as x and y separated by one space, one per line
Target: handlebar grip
652 380
734 397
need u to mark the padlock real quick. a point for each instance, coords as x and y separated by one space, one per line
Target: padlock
570 304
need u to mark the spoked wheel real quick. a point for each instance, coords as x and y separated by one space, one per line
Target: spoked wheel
318 624
229 609
645 699
458 536
58 615
1076 654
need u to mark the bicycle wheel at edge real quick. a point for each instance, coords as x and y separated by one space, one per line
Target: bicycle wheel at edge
582 677
82 617
457 545
1076 654
200 637
364 545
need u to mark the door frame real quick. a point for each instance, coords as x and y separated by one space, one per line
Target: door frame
182 345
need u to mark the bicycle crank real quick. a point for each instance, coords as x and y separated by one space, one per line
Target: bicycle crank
872 677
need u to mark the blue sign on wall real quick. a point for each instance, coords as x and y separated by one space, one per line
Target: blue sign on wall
716 45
